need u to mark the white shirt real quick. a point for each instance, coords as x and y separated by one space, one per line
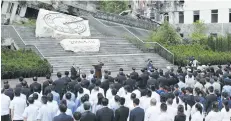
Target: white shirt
156 96
38 103
190 82
194 110
199 85
18 104
225 116
151 113
213 116
122 92
113 104
54 106
45 113
39 95
197 116
145 102
5 103
68 112
207 85
175 105
181 84
217 86
137 92
172 111
89 77
85 91
23 96
163 116
109 94
31 112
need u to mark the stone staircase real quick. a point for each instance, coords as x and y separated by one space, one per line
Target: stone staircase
115 52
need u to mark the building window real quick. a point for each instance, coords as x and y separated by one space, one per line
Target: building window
230 15
18 10
181 17
166 17
196 16
214 16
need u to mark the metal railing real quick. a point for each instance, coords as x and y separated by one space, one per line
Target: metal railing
10 31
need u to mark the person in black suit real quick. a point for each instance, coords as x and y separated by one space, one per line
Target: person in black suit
105 113
77 116
121 114
137 114
48 88
131 81
121 77
35 84
136 75
209 99
20 82
25 90
105 84
85 83
117 85
180 114
144 76
110 78
63 116
8 92
6 82
46 83
87 115
60 85
67 78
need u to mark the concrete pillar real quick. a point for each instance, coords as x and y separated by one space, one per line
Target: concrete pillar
12 17
23 11
5 5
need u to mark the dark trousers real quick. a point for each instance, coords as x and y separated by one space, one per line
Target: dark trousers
5 117
17 120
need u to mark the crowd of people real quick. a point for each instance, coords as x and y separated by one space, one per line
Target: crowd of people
192 94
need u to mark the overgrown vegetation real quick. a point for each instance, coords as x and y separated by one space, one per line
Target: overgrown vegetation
198 35
113 6
24 63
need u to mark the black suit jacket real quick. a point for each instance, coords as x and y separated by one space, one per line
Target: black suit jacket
85 83
137 114
9 93
105 114
63 117
145 78
88 116
180 117
105 86
130 82
117 86
136 75
209 100
45 84
67 79
37 85
71 85
121 114
60 86
26 91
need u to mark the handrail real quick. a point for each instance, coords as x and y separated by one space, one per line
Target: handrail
33 46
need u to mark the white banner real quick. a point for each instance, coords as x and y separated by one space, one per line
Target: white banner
81 45
59 25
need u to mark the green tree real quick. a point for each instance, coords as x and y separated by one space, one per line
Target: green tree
165 34
113 6
198 35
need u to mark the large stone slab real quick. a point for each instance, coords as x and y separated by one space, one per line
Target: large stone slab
81 45
59 25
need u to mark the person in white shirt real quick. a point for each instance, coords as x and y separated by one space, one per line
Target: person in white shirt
189 80
17 105
194 108
128 93
82 91
172 111
198 85
45 112
145 102
98 105
163 116
31 111
152 112
90 76
216 84
129 103
114 103
208 84
137 92
154 94
225 112
122 92
214 114
108 93
177 101
181 83
5 103
52 104
198 114
37 102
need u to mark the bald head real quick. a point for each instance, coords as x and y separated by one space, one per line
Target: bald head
153 102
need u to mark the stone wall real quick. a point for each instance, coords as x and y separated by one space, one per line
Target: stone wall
218 28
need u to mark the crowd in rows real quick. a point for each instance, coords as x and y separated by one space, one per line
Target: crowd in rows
190 94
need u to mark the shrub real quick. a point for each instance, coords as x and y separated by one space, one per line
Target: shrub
202 53
22 63
198 35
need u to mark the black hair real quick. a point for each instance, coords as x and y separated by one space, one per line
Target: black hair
50 97
122 101
104 101
44 99
133 96
66 73
185 105
136 101
35 96
30 100
113 91
198 107
35 78
98 83
5 82
6 86
2 90
100 97
83 75
170 101
48 76
215 106
163 107
117 98
59 74
87 97
83 99
226 104
20 78
180 109
24 83
176 93
211 89
77 115
17 91
68 95
63 102
153 88
62 108
80 90
86 106
149 93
